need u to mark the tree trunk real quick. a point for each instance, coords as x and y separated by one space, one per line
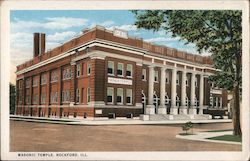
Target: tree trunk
236 112
236 109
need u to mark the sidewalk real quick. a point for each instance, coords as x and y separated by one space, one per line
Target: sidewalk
202 136
105 121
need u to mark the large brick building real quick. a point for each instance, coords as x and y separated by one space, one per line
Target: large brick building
102 72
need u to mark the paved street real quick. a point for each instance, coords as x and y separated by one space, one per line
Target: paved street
31 136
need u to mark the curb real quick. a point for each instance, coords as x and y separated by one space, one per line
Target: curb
111 122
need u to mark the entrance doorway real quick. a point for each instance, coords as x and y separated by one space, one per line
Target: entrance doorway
167 103
156 102
143 101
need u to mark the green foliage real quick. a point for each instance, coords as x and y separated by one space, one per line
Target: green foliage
218 32
12 98
187 126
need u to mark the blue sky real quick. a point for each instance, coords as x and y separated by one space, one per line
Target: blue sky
62 25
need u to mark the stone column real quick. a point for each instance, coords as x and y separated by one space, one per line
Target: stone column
183 108
201 94
193 109
162 108
174 108
150 109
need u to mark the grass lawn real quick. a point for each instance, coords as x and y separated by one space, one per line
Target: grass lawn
226 138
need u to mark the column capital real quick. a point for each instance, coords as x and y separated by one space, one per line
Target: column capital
151 66
163 68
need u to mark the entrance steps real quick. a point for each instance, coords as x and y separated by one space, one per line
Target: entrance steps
202 117
162 117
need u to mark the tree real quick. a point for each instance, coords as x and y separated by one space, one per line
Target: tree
217 32
12 98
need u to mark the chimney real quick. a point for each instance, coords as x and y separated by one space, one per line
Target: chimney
39 44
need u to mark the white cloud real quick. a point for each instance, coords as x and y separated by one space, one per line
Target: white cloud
64 22
106 24
53 23
61 36
51 45
21 54
124 27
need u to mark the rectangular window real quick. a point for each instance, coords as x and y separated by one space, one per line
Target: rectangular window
20 84
88 68
54 76
27 99
43 79
119 97
110 68
110 95
144 74
156 76
35 98
78 70
129 96
129 71
66 73
66 96
43 98
20 100
53 97
167 78
120 69
88 94
77 95
34 82
27 83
